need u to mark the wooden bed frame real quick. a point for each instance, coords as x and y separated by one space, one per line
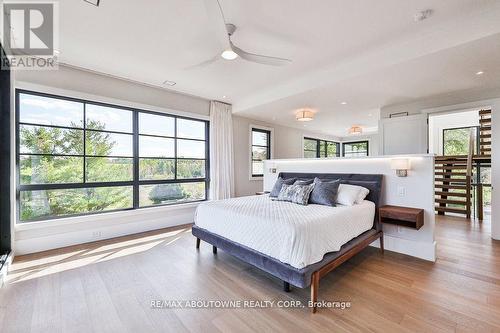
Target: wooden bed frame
330 261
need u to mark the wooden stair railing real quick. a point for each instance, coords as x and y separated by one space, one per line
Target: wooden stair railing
485 132
452 182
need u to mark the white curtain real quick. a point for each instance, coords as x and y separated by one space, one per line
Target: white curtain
221 151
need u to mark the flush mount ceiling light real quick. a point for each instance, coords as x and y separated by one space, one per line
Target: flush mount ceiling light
93 2
355 130
343 103
304 115
422 15
480 73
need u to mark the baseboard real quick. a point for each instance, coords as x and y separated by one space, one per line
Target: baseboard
422 250
53 237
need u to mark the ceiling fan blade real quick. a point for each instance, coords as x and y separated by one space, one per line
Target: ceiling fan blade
203 63
218 22
261 59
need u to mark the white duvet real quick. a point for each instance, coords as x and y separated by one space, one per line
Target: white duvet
293 234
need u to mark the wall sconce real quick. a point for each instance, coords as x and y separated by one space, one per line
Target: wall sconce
401 165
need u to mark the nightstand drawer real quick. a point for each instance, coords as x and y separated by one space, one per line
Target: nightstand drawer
402 216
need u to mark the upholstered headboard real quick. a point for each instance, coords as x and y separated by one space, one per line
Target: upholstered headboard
370 181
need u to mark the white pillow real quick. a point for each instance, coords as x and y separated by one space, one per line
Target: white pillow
363 192
348 195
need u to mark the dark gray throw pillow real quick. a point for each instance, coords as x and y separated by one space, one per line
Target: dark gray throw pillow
279 183
324 193
303 182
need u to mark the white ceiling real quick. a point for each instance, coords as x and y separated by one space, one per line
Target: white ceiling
368 53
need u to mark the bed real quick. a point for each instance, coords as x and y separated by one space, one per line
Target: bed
297 244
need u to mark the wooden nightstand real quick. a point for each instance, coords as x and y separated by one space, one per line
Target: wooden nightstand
402 216
262 192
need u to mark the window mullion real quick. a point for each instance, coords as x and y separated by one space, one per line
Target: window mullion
84 142
135 154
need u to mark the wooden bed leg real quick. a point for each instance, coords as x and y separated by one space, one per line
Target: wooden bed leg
314 290
286 287
214 249
382 243
197 243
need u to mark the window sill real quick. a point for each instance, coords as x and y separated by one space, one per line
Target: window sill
117 216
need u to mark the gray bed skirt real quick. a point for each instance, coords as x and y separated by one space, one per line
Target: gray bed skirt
300 278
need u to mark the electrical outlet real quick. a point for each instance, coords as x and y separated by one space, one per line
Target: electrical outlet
96 234
400 230
401 191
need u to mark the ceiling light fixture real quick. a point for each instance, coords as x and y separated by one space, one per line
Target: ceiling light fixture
304 115
355 130
229 54
480 73
169 83
343 103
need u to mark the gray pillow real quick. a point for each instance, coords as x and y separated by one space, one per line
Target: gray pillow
304 182
279 183
298 194
324 193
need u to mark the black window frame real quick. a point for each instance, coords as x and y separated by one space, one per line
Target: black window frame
318 147
360 141
135 183
476 146
268 148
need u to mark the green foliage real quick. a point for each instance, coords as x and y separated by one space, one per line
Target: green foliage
456 141
58 169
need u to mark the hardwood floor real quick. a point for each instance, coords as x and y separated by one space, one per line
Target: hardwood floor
108 286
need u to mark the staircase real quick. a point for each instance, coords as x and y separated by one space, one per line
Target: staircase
452 184
485 132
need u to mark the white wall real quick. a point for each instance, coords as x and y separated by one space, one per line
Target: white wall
439 122
418 188
287 143
403 135
495 169
109 89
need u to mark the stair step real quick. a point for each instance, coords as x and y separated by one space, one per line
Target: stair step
458 174
484 112
484 128
451 202
485 136
451 187
452 194
451 210
451 180
485 121
451 167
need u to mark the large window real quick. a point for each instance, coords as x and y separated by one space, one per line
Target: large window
354 149
261 150
456 140
78 157
316 148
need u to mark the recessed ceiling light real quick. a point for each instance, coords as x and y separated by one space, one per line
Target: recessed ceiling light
343 103
224 96
169 83
480 73
93 2
369 115
229 54
422 15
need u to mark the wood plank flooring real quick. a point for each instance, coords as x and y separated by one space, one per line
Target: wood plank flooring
108 286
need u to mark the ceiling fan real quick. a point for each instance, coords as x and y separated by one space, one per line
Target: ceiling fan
230 51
